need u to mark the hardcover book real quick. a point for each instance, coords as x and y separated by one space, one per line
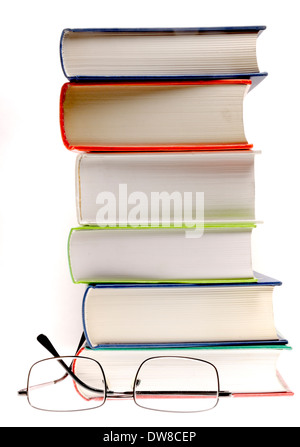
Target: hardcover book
180 314
214 253
165 187
244 371
154 116
160 53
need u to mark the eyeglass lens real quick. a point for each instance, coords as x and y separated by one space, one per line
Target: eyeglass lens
176 384
51 388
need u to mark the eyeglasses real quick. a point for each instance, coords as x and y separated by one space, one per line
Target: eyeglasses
162 383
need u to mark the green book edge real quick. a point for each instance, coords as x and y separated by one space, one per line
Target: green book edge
169 227
173 281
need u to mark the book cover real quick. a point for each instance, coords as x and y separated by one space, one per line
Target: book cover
226 71
190 186
244 371
237 307
206 253
154 116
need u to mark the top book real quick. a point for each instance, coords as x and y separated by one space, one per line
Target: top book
150 53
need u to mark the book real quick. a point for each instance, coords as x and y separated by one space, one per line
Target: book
164 53
180 314
165 188
244 371
147 116
213 253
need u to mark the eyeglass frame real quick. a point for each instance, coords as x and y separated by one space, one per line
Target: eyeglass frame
46 343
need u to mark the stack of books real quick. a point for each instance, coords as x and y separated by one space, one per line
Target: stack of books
165 197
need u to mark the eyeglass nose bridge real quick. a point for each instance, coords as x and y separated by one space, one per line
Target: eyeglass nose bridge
119 395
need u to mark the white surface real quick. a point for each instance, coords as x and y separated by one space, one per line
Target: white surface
38 194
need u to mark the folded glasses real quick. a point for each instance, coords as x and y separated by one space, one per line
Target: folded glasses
162 383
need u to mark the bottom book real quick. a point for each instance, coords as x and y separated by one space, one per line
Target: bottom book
243 370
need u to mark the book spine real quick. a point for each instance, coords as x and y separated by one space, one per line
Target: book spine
88 341
61 51
61 115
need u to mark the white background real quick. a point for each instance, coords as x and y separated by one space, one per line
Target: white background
38 201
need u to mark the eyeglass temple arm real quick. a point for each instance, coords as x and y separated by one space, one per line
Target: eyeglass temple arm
49 346
81 342
46 343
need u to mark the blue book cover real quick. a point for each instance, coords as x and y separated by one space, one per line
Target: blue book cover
262 280
256 77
